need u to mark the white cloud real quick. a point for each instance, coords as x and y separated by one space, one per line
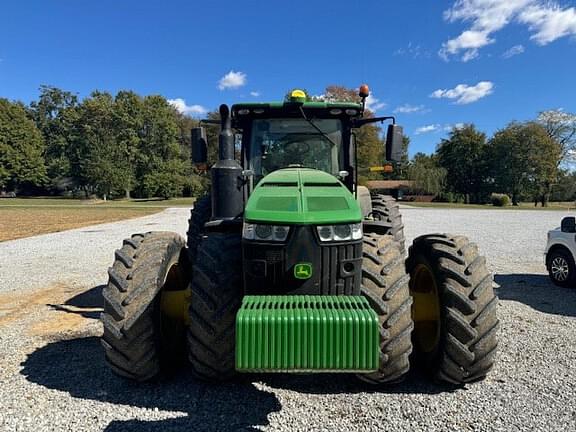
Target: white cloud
232 80
515 50
409 109
426 129
254 93
182 108
547 20
465 94
374 104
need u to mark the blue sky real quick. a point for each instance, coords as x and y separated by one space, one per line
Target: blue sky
433 63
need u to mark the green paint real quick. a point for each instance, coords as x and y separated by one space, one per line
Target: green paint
303 271
302 196
307 333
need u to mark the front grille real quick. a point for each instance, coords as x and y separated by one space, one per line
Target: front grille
333 259
269 268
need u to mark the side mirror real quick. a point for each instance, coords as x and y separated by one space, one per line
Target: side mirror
199 146
568 224
394 139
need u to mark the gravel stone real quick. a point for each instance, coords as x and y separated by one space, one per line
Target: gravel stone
53 376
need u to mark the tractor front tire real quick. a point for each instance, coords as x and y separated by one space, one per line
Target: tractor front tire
216 298
386 209
385 285
454 310
134 341
199 215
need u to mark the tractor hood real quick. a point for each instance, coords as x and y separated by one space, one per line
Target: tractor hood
302 196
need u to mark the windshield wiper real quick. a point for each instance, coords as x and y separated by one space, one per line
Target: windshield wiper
316 127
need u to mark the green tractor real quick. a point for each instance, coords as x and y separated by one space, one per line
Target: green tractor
290 266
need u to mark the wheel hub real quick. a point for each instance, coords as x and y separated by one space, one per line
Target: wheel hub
425 309
559 269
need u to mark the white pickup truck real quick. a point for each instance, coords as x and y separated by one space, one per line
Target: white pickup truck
560 253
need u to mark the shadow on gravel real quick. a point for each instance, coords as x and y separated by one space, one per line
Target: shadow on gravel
414 383
538 292
88 304
77 367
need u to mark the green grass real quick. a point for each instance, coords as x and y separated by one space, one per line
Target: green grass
561 206
78 203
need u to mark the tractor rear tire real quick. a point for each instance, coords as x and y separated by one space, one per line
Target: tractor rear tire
385 285
216 297
455 320
199 215
133 340
386 209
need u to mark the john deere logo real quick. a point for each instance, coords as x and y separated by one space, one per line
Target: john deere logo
303 271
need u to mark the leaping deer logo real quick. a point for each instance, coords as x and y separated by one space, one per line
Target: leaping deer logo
303 271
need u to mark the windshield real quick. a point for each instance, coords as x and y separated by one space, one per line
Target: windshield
281 143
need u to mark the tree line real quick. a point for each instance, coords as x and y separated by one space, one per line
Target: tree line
105 145
528 161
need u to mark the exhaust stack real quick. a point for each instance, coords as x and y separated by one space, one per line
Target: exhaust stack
227 195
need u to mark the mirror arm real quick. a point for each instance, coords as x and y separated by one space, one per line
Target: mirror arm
361 122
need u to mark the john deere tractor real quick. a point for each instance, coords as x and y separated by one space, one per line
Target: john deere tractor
290 266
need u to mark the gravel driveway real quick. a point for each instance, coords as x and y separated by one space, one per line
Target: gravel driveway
53 376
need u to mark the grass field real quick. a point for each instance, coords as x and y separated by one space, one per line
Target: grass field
25 217
562 206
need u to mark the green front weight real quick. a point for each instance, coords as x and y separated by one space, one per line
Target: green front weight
307 334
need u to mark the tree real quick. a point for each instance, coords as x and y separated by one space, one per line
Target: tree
463 156
128 121
427 175
161 164
524 161
55 115
561 126
100 163
21 148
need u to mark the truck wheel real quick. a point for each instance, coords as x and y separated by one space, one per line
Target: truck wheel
561 268
135 338
216 298
199 215
386 209
454 310
385 285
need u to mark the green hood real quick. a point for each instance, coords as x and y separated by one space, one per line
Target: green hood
301 196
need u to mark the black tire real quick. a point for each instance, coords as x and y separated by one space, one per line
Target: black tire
385 285
199 215
561 268
459 343
133 339
216 298
386 209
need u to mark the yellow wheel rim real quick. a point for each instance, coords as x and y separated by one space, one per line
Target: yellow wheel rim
425 309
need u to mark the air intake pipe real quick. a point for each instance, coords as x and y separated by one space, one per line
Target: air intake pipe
227 195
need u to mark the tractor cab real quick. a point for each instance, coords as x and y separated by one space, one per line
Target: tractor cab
298 133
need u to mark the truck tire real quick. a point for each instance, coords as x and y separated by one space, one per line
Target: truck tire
454 310
386 209
561 267
385 285
134 341
216 298
199 215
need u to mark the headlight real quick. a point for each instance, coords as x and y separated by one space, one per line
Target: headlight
265 232
330 233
